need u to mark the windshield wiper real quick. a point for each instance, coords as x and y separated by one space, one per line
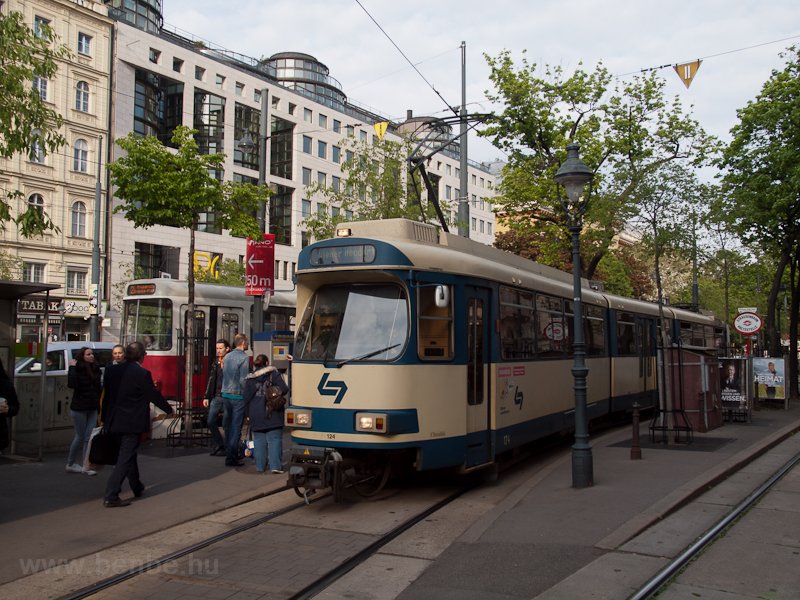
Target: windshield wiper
365 356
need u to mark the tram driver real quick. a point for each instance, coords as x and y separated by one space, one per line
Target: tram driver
324 338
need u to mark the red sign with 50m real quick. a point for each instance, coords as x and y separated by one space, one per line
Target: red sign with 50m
260 266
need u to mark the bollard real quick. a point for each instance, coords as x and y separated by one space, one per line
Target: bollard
636 448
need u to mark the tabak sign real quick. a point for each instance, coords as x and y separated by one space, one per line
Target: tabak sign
747 323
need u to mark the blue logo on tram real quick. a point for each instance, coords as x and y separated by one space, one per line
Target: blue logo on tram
332 388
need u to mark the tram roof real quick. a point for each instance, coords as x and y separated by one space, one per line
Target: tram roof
430 248
205 293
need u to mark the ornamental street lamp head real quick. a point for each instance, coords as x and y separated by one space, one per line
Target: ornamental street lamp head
574 175
246 144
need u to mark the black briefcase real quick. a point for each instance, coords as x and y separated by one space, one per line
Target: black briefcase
103 448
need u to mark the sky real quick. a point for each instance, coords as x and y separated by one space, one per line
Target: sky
739 41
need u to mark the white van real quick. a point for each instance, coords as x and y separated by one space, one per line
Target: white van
59 355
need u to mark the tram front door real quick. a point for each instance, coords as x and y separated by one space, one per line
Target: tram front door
479 440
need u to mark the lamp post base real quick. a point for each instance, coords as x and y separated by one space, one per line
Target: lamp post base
582 467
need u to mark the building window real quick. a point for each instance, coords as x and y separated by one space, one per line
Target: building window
152 260
336 183
40 85
336 154
448 192
36 153
155 55
322 178
80 156
39 23
177 65
323 121
257 96
199 73
489 228
84 43
292 108
306 208
348 156
350 131
36 202
307 117
76 282
322 209
239 89
306 144
220 81
337 126
33 272
481 225
322 149
474 224
276 103
306 176
362 135
78 220
82 96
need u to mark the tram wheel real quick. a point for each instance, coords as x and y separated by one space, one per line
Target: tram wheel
299 492
369 479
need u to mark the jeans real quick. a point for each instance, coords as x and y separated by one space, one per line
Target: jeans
83 421
232 424
268 444
127 467
214 408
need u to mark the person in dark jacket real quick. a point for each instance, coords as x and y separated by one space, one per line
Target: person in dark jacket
266 426
213 397
83 378
9 407
129 390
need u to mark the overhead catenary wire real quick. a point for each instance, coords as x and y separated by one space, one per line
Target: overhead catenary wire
408 60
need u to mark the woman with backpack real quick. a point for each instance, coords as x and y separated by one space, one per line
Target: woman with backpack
84 379
266 415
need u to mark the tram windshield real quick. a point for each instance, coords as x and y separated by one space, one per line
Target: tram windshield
149 321
354 322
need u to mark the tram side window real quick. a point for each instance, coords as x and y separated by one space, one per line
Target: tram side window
435 326
594 329
517 334
230 326
626 334
550 326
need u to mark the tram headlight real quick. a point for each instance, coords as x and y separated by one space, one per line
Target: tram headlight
297 418
372 422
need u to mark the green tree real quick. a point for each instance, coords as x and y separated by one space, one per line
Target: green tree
159 186
27 123
627 130
761 182
375 185
229 272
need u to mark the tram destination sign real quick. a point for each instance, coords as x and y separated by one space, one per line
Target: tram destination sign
259 272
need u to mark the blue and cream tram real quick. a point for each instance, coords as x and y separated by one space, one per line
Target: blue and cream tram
421 348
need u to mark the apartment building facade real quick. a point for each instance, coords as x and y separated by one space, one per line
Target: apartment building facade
63 183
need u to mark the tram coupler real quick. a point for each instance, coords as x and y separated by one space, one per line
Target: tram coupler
312 468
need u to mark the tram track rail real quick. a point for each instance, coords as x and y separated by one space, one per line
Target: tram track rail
662 578
151 565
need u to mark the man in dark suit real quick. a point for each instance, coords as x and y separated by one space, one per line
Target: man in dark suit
129 390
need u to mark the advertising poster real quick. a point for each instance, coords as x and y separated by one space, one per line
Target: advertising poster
768 374
733 384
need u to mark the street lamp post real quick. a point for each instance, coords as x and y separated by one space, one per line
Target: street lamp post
246 144
574 175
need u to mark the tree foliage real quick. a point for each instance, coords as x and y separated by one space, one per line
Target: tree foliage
761 183
229 272
627 131
28 124
375 185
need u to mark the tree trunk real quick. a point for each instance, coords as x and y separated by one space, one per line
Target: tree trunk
794 312
773 341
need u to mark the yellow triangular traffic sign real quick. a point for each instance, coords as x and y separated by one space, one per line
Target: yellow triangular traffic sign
380 129
687 71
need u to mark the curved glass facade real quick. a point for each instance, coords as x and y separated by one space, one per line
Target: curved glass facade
144 14
305 74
